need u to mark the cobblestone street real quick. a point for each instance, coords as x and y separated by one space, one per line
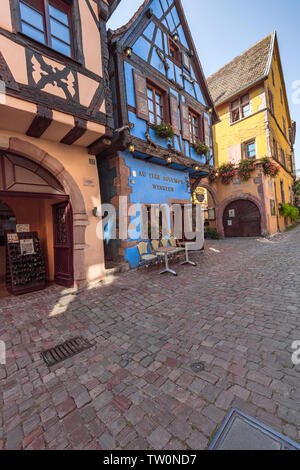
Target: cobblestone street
237 312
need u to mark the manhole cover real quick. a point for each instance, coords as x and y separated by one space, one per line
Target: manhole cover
242 432
65 350
197 366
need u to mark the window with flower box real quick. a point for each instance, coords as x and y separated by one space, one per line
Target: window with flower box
48 22
156 104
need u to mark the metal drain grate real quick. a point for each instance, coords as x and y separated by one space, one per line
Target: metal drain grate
65 350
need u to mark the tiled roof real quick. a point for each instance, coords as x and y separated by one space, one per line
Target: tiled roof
247 68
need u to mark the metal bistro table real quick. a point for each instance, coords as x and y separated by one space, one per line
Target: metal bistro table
187 260
164 252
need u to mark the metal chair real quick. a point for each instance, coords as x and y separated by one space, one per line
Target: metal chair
146 258
155 247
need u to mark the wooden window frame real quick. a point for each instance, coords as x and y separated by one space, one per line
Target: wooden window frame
173 45
239 108
245 149
275 149
198 117
156 89
284 126
271 102
42 7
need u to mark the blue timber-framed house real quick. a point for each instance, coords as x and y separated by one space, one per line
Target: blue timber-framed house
156 77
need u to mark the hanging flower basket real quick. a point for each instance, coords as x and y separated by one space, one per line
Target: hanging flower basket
200 148
164 131
227 173
270 168
246 167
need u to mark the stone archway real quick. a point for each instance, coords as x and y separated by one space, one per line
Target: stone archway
248 197
212 192
80 218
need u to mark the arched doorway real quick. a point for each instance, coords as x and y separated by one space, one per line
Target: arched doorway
206 195
241 218
35 182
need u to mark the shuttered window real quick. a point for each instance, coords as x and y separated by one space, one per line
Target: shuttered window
185 123
206 131
141 96
174 114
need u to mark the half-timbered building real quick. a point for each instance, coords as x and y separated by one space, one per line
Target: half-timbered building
163 114
55 115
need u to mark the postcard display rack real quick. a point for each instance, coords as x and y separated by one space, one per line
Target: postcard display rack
25 268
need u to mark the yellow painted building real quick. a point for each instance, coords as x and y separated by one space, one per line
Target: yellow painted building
255 122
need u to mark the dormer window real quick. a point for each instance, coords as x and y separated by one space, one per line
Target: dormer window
48 22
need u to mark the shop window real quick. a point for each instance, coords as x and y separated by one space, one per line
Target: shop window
155 104
250 149
195 127
240 108
48 22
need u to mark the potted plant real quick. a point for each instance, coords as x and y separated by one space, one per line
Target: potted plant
200 148
227 173
246 167
164 131
270 168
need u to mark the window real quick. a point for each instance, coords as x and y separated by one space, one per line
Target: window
250 151
282 157
272 207
155 105
273 78
48 22
281 96
271 102
194 121
275 149
240 108
174 50
284 126
282 192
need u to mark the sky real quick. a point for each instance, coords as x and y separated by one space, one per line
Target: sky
223 29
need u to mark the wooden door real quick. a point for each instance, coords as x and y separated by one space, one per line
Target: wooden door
63 244
242 219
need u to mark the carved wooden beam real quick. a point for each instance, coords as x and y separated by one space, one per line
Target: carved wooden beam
100 146
41 122
75 133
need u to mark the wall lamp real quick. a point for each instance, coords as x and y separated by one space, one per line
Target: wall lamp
196 168
128 51
131 147
169 160
175 37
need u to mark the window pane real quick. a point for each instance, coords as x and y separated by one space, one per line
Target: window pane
61 47
245 99
235 115
152 118
158 109
31 16
246 110
149 93
60 31
251 150
33 33
159 120
59 15
158 98
150 105
235 104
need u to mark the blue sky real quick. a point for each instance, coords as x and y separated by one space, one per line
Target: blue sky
223 29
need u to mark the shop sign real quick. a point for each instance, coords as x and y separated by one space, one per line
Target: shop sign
27 246
12 238
22 228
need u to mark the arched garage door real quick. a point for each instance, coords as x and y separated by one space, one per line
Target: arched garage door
242 219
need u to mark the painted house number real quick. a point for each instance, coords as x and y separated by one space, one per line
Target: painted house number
231 213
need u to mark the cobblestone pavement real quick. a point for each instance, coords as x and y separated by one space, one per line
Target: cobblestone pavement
237 312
